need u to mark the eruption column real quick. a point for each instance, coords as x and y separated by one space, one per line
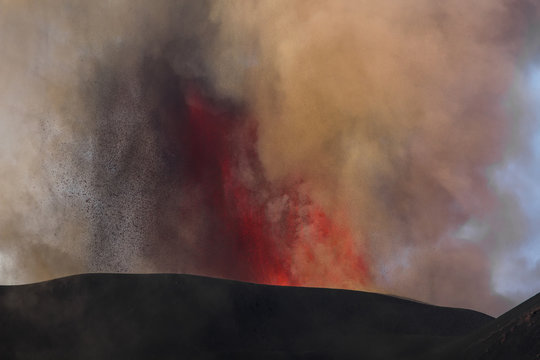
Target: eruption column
276 234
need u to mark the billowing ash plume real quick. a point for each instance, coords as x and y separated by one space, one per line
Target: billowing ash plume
325 143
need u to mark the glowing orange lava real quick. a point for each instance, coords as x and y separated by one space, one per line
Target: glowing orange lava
276 234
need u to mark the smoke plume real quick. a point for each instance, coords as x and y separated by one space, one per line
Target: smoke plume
337 143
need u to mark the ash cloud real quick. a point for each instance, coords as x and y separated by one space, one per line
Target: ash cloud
394 111
390 115
82 167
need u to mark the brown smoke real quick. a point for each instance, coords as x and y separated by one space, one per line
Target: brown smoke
390 110
67 93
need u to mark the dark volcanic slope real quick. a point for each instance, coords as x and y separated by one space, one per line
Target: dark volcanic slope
513 335
102 316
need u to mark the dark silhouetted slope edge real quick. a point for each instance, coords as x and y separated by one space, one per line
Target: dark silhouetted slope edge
165 316
513 335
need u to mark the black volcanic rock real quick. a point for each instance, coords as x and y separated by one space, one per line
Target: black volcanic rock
513 335
105 316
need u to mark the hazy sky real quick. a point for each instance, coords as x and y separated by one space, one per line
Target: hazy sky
518 273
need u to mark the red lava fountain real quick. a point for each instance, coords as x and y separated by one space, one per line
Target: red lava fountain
273 234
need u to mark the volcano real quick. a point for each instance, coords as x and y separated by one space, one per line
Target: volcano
169 316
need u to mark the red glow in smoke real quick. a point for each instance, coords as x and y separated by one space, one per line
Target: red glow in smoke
276 235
